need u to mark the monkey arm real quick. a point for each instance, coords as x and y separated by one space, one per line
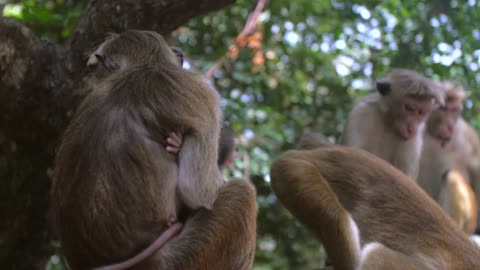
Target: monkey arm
474 165
193 109
307 195
195 188
220 238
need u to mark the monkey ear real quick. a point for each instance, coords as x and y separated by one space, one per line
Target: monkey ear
179 54
107 63
384 88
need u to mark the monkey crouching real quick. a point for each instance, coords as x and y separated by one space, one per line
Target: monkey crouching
116 188
368 214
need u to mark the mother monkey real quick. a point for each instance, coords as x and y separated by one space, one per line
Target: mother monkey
116 189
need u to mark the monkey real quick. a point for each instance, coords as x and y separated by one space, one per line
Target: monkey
367 213
312 140
116 188
390 122
206 240
227 152
458 200
450 143
113 54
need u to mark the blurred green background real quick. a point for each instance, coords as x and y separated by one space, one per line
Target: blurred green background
318 57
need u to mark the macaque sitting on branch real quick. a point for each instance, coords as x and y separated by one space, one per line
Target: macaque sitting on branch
119 198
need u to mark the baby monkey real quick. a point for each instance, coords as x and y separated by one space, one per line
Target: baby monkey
227 152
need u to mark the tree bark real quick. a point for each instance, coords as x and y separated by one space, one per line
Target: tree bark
41 83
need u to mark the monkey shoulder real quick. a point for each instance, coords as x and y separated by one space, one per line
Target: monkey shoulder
470 134
364 116
368 103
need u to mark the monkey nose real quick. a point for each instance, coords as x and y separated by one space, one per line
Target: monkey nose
410 133
450 129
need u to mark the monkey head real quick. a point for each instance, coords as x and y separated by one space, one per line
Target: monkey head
441 123
227 151
132 47
408 98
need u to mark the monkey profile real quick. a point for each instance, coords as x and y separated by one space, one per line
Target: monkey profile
390 122
116 188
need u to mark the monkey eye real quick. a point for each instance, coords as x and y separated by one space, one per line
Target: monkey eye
109 65
421 112
179 55
409 108
456 110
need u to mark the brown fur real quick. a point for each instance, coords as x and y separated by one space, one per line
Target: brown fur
226 149
326 187
381 124
221 238
116 189
450 143
121 51
312 140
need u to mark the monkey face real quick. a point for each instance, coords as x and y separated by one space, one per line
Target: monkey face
133 47
408 114
441 123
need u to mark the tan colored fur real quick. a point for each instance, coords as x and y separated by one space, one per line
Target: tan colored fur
325 186
370 124
461 153
458 200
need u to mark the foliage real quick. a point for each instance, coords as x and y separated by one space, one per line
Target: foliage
51 19
319 57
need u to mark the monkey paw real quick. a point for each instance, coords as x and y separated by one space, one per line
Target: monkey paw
174 142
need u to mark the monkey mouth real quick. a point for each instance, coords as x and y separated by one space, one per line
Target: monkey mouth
444 140
406 137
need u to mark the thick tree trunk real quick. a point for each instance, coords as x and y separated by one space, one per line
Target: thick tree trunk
40 86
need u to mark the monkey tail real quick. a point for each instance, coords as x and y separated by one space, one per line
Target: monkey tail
149 251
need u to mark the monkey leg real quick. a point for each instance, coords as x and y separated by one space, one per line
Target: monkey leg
298 184
220 238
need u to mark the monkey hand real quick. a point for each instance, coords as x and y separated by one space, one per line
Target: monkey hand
174 142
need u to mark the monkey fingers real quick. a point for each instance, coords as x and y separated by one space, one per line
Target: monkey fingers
174 142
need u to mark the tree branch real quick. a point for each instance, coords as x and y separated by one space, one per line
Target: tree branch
107 16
